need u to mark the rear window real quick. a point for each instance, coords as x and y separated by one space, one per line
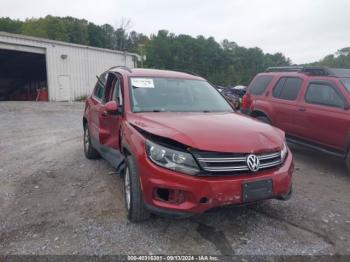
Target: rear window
259 84
346 83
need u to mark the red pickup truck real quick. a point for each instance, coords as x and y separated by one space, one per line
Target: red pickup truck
180 146
311 104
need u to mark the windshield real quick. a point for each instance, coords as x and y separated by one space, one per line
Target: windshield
346 83
175 95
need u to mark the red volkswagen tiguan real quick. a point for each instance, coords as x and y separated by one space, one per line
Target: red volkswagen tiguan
180 146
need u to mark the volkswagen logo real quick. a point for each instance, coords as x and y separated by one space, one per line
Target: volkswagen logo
253 163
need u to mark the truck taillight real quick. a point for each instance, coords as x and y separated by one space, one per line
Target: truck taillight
246 101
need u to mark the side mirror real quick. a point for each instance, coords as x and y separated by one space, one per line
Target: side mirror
111 107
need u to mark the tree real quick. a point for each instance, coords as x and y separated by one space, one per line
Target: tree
344 51
96 35
11 26
77 30
109 36
341 59
224 63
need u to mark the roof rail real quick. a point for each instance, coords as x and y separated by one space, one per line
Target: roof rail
285 69
312 70
121 67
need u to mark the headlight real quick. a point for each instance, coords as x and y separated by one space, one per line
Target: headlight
171 159
284 152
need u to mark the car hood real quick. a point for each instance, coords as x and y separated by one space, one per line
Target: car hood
219 132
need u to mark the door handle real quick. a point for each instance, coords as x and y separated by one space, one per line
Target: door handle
302 109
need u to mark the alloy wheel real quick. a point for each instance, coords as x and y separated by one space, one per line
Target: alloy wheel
127 187
86 139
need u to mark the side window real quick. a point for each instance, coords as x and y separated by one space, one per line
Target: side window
260 84
323 94
96 89
117 93
276 92
99 91
287 88
346 83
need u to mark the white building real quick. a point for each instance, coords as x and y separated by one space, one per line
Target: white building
67 70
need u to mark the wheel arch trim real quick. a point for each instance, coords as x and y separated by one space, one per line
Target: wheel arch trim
260 111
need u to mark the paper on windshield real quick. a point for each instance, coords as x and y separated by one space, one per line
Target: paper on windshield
142 82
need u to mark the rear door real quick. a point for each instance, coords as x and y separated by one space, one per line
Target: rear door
284 100
323 115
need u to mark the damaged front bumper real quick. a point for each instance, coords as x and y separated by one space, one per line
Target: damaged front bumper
187 195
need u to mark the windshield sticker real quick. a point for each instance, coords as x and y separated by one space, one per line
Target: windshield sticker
142 82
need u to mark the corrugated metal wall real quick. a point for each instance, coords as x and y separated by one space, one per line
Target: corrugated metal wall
71 69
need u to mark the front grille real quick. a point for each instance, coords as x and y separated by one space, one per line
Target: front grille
234 163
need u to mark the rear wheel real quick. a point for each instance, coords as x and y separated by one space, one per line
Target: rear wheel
90 152
135 207
264 119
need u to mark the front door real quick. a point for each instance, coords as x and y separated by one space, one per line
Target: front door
95 104
325 118
110 124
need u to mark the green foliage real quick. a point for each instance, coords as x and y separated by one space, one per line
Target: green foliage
9 25
224 63
341 59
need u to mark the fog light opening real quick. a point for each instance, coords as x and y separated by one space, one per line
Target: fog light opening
163 194
204 200
174 196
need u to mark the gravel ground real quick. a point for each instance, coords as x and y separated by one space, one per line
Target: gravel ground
55 201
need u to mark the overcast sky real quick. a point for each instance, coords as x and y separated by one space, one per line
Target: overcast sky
304 30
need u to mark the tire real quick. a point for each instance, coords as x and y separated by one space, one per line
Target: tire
90 152
347 160
264 119
135 207
287 196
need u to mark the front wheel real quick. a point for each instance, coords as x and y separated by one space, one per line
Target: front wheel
135 207
347 160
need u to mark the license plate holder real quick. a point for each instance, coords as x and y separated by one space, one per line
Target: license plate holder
257 190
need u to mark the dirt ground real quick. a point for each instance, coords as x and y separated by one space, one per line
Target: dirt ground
55 201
